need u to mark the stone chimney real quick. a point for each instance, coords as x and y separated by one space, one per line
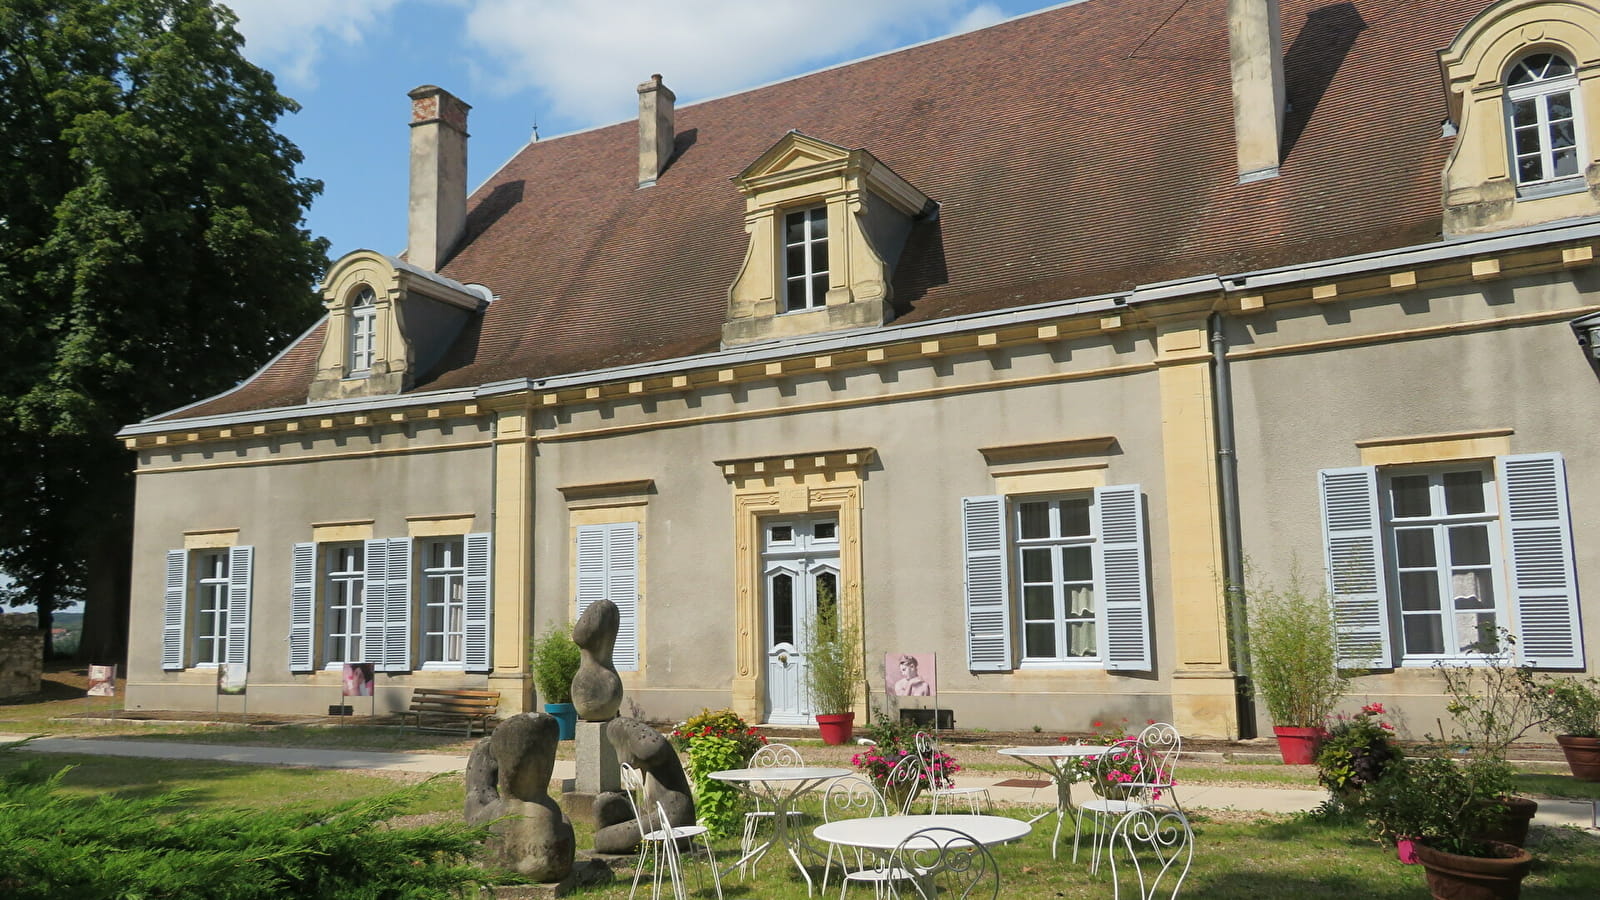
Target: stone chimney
655 129
1258 101
438 212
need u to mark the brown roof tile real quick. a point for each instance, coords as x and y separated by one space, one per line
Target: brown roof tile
1077 151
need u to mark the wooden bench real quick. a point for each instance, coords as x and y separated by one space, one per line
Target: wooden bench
433 707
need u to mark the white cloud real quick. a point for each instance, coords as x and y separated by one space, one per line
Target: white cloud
290 36
585 57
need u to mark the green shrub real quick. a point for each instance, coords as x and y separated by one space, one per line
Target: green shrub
1446 804
1567 705
716 740
1358 751
1294 652
554 660
54 844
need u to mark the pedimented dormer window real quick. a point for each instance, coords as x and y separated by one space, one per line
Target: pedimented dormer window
1520 77
389 323
826 228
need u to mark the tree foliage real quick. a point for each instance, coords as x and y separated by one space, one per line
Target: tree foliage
151 253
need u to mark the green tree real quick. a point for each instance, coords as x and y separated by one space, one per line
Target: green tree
152 252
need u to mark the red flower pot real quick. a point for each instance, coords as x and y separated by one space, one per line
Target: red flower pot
836 727
1299 745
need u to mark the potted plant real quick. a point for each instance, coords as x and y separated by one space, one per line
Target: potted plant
834 671
1294 664
1571 708
1442 806
1358 751
715 740
553 659
1492 709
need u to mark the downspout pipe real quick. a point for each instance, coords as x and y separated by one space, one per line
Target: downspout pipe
1232 544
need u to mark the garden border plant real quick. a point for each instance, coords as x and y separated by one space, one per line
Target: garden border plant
716 740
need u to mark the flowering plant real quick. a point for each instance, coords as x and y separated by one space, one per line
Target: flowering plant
892 742
1114 771
721 723
1570 705
1357 751
717 740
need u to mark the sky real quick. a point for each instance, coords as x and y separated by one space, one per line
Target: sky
565 65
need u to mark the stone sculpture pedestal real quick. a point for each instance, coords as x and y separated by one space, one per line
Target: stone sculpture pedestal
598 772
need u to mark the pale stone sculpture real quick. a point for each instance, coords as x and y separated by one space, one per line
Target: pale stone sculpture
597 688
508 782
664 782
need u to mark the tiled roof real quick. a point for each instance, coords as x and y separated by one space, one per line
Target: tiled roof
1076 151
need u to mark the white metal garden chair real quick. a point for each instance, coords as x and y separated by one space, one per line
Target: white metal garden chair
977 798
942 863
904 784
659 842
1162 746
851 797
1154 840
1120 797
768 757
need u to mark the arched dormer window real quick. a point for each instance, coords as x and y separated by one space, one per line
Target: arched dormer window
363 329
1542 120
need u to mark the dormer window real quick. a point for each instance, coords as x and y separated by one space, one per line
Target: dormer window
806 258
1541 93
363 329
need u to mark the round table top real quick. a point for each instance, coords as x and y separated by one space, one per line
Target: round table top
887 832
1056 750
781 773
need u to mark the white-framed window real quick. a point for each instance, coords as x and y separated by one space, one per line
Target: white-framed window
1057 581
211 607
359 606
805 254
206 608
344 599
1425 562
1055 573
1442 532
444 601
1543 121
363 329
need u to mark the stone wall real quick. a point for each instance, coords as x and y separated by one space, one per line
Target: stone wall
21 654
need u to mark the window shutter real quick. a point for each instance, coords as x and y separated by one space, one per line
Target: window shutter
302 596
622 588
478 557
397 608
374 601
240 562
591 565
1121 584
985 586
172 609
1544 584
1351 532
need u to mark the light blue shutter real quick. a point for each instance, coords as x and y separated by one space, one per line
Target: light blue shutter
302 597
591 565
397 607
240 561
1120 578
985 587
477 549
1544 584
374 601
172 609
1352 531
622 588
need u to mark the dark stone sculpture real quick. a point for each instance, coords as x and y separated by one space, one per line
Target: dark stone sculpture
647 750
508 782
597 688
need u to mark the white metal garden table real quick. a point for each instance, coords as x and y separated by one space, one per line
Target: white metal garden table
1059 761
781 786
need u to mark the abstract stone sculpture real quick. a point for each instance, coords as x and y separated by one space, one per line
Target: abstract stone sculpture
508 782
597 688
664 782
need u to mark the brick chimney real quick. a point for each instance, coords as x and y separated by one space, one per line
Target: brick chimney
655 129
1258 101
438 213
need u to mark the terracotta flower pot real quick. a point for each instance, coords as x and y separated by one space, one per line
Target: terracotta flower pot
1583 755
1498 877
1299 746
836 727
1513 828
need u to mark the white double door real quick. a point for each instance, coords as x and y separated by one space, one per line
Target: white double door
800 564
